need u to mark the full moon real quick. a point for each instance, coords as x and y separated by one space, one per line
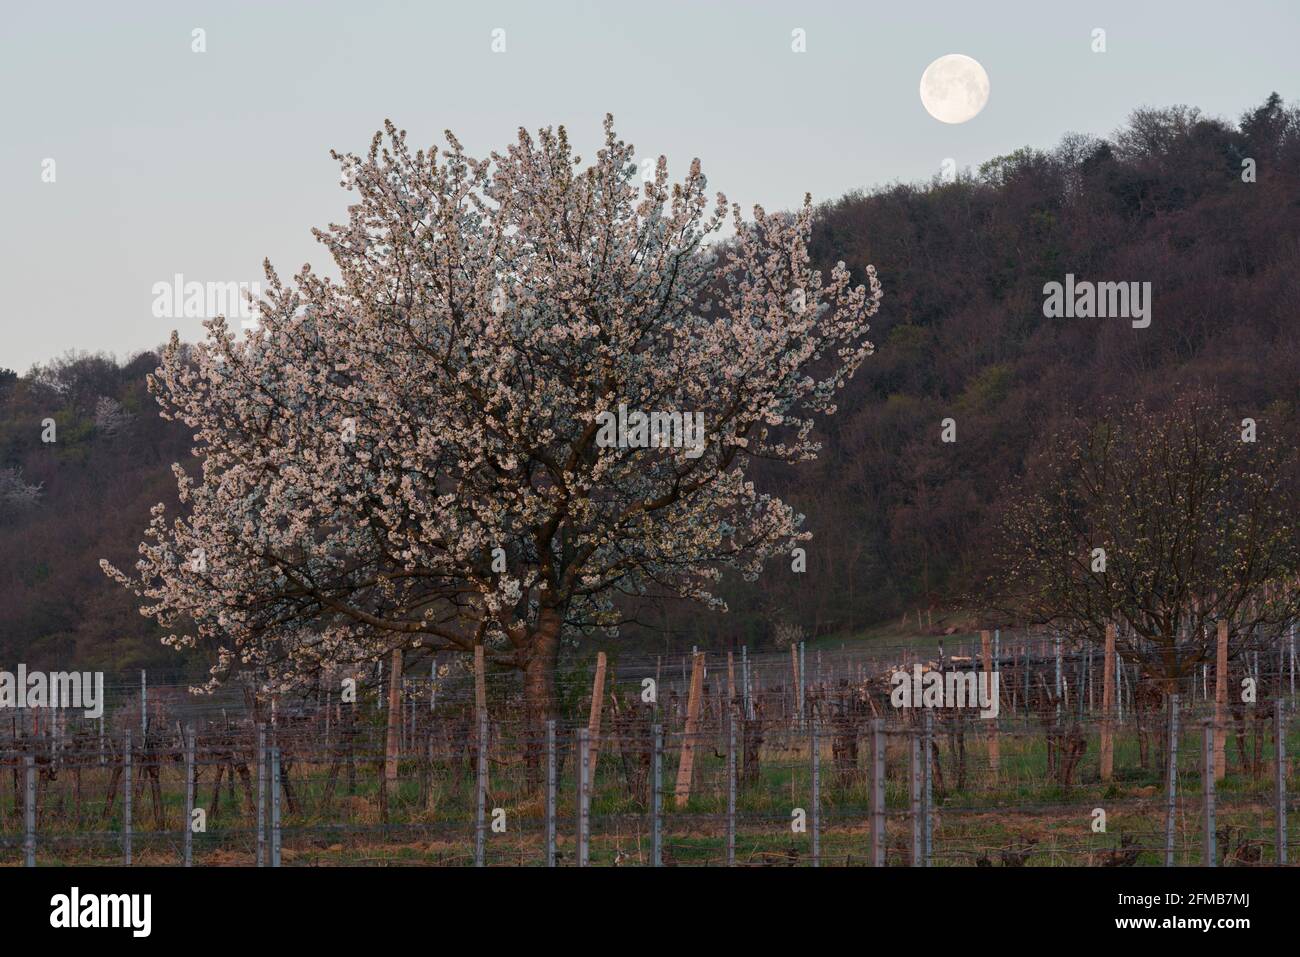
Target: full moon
954 88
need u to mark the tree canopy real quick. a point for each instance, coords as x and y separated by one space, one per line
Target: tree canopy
410 456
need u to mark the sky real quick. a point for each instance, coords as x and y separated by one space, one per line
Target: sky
169 161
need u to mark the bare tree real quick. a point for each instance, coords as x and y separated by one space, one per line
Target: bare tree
1164 523
110 417
16 496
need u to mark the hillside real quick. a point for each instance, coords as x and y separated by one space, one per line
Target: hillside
898 516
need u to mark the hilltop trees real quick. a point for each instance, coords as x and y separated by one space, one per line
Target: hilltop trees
409 457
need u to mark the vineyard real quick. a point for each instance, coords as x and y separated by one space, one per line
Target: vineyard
796 758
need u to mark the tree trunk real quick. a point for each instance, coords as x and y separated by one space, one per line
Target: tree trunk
539 663
394 714
543 654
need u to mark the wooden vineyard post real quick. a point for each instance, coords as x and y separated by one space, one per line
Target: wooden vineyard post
593 718
794 679
480 680
803 685
29 811
731 680
986 645
1056 645
745 683
1221 703
1107 707
394 715
687 766
126 799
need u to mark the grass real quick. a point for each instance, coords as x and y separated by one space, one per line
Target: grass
1022 813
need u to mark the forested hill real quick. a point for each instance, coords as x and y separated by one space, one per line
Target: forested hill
68 503
898 516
